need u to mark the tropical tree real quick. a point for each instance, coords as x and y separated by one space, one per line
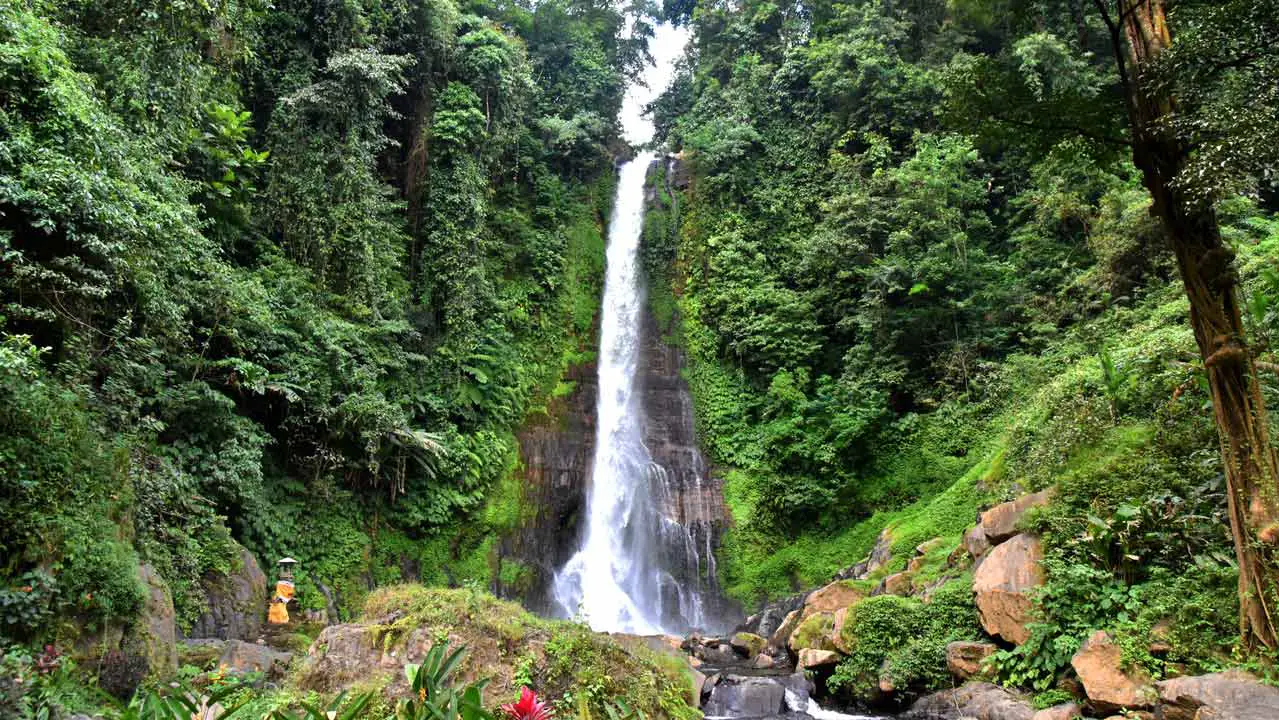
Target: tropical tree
1164 145
1176 73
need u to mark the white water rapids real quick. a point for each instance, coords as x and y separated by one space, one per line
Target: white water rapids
616 579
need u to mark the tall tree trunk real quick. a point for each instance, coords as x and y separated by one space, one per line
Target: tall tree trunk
1139 34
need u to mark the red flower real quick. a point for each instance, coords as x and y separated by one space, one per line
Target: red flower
528 708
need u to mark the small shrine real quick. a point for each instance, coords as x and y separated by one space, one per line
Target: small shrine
278 613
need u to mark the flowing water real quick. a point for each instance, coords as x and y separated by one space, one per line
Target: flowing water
614 578
639 569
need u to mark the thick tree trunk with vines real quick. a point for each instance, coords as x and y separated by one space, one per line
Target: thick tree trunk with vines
1140 33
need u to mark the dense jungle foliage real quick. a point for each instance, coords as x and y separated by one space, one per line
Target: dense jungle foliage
918 274
286 272
292 274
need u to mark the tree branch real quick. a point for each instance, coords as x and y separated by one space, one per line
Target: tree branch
1117 47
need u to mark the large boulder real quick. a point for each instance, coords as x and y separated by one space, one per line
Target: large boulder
1000 522
344 655
814 633
153 635
975 542
400 625
899 584
753 696
781 637
881 553
977 701
243 657
810 659
747 644
964 659
714 651
837 638
1110 687
879 556
1003 585
1232 695
236 601
746 696
737 696
830 598
767 621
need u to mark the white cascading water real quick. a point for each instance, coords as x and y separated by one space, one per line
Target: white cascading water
616 579
612 579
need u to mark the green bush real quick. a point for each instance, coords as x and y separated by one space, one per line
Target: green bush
904 640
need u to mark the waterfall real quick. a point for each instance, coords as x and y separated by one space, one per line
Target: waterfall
638 569
614 578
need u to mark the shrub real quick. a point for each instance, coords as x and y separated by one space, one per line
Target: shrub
904 640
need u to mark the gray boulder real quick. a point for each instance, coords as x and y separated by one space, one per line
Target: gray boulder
1232 695
236 601
981 701
742 696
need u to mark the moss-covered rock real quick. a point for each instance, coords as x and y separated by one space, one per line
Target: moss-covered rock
748 644
153 634
564 661
235 601
814 633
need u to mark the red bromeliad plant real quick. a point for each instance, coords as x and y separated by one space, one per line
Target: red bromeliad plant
529 707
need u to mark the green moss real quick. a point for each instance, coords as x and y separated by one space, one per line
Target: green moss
752 642
751 572
905 639
814 633
562 660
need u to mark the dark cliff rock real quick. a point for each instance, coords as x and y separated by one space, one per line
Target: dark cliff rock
556 457
770 618
236 601
689 498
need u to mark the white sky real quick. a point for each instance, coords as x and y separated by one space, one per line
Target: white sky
666 46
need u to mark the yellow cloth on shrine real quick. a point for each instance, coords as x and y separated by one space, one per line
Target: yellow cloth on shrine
278 614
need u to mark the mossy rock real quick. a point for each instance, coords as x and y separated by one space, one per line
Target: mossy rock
814 633
153 634
749 644
880 621
294 642
202 653
506 644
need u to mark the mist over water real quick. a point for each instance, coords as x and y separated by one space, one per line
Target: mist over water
619 579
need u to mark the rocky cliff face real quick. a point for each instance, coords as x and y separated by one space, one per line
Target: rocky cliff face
556 455
689 499
555 460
